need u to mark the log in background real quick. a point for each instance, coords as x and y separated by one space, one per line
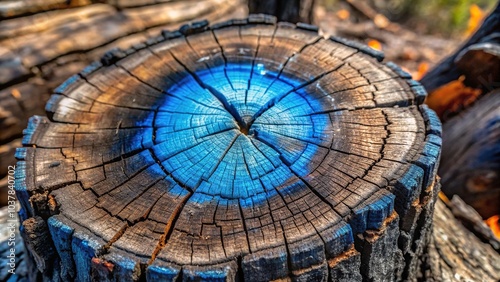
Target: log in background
334 181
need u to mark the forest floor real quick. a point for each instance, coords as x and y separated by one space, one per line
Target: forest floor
413 51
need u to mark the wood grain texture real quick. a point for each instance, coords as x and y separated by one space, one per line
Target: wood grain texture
454 254
247 150
38 52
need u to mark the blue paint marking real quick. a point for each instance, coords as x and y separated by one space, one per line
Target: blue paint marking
162 273
84 248
64 86
61 236
240 132
380 210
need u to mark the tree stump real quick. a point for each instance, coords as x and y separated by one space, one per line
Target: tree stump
44 42
248 150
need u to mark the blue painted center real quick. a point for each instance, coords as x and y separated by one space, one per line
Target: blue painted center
237 131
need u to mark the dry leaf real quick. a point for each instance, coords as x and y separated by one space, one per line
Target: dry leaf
494 223
343 14
16 94
476 17
423 67
443 198
452 96
375 44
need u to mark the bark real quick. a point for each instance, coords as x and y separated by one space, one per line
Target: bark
471 155
455 254
246 150
285 10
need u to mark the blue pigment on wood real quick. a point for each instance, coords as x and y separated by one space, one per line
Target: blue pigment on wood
237 131
61 236
232 134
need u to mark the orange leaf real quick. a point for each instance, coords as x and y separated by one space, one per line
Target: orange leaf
16 94
422 70
452 96
375 44
476 17
443 198
343 14
494 223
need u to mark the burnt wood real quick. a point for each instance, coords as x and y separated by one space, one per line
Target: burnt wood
455 254
293 11
478 52
471 155
44 42
246 150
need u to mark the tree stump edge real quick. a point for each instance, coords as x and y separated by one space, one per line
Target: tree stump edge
419 176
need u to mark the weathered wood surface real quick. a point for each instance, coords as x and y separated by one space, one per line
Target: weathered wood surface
39 51
471 155
249 150
17 8
455 254
473 221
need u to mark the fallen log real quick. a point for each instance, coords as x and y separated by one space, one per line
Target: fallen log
471 155
246 150
464 93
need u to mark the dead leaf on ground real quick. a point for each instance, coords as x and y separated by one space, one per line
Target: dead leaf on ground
375 44
452 96
475 19
494 223
343 14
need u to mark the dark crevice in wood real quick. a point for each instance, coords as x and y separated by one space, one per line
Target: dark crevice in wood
169 227
252 69
223 56
219 96
275 100
245 229
288 164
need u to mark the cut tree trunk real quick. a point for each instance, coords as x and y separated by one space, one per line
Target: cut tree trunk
248 150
